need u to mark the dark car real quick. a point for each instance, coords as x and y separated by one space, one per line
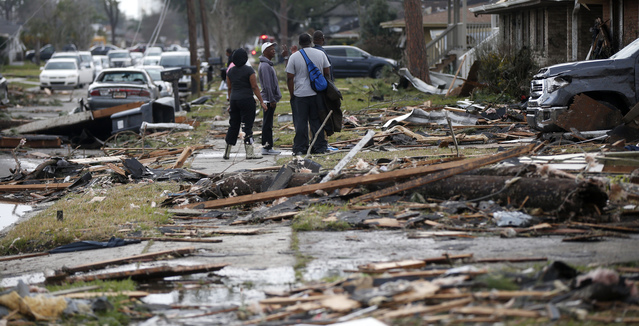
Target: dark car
45 53
117 86
102 49
350 61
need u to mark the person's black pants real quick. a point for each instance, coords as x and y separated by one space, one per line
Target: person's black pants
305 113
267 127
242 114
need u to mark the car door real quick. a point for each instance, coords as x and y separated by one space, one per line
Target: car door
86 72
338 61
358 63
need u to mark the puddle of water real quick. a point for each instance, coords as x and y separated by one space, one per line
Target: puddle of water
10 213
234 286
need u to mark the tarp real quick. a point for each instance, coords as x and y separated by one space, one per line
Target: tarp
89 245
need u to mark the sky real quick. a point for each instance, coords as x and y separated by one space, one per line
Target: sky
130 8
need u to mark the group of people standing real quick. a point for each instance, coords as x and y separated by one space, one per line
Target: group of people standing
305 102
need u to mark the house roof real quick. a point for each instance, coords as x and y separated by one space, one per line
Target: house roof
503 6
8 28
438 19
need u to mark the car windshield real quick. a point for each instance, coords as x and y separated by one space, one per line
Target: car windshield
118 55
59 66
85 57
122 77
154 73
175 61
628 51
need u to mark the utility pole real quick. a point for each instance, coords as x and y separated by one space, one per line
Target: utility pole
195 76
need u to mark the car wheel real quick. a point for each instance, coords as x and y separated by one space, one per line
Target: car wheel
377 73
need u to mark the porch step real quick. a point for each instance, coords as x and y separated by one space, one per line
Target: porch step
442 63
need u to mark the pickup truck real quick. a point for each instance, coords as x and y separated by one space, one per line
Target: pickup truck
613 82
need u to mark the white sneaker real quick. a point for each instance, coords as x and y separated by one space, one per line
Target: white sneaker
270 152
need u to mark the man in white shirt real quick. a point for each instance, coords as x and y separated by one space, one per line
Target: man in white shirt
304 100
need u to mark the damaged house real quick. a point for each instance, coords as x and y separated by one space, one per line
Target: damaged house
563 30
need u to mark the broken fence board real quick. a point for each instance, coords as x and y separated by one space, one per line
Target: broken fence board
46 186
342 163
496 312
385 266
350 182
460 167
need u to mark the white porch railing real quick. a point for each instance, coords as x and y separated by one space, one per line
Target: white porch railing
468 58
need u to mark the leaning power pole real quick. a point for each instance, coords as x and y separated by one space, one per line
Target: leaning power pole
195 75
205 30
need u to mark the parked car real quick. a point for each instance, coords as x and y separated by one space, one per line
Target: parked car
120 58
103 49
153 51
165 88
45 53
611 82
117 86
60 73
87 58
181 59
100 62
350 61
86 73
136 58
151 61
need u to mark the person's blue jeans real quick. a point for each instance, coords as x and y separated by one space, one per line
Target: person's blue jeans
242 114
306 113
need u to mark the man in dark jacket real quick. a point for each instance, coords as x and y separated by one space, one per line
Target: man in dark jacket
271 95
318 40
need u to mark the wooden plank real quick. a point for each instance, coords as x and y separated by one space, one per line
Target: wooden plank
350 182
106 113
126 260
186 153
46 186
99 160
147 273
385 266
459 167
496 312
507 295
37 254
294 300
176 239
606 227
87 295
32 142
421 309
510 260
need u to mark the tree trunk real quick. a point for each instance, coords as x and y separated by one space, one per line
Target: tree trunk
195 77
205 30
415 42
284 22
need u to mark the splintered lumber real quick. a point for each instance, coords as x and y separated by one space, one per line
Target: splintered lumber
550 194
496 312
147 273
293 300
605 227
510 260
96 160
420 290
44 186
185 155
457 168
385 266
419 310
340 303
355 181
507 295
130 259
342 163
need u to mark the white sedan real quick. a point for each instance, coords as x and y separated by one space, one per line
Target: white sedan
60 74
